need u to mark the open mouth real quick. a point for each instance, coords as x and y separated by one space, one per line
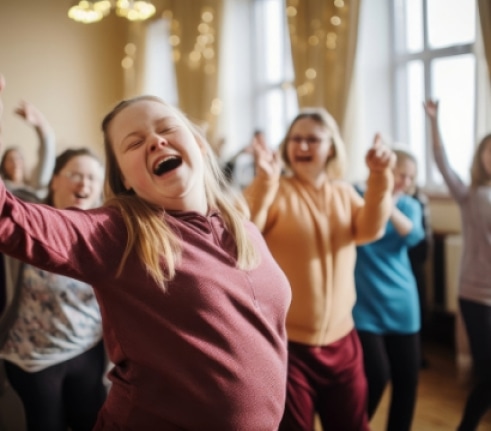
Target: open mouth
81 195
303 159
168 164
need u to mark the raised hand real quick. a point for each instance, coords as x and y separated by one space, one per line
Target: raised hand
268 162
431 108
379 157
31 114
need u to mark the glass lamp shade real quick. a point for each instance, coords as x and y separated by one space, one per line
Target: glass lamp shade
138 10
86 12
89 11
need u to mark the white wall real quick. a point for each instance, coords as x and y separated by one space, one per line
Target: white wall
70 71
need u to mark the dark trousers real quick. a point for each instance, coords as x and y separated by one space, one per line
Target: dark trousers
328 380
396 358
68 394
477 320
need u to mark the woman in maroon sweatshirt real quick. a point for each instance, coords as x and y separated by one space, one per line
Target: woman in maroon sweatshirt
193 304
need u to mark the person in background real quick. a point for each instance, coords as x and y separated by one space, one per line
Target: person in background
193 304
51 331
12 165
311 221
419 254
240 169
386 312
474 201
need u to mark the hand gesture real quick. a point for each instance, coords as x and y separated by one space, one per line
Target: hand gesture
431 108
31 114
268 162
379 157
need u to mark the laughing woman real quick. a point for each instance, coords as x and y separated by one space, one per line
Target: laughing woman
52 331
312 221
193 303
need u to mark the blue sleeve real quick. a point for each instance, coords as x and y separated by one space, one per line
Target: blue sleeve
411 208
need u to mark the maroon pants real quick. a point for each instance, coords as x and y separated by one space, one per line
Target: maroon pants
329 380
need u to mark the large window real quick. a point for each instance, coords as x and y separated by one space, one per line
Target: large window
435 57
275 96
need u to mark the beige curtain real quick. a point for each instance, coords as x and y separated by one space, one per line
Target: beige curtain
195 36
323 37
485 15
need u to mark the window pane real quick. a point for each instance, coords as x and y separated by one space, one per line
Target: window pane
274 102
413 13
271 19
453 84
451 22
416 118
159 73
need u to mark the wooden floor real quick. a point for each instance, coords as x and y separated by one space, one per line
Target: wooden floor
441 396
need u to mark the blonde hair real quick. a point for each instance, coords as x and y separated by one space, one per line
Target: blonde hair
402 156
479 176
336 163
148 231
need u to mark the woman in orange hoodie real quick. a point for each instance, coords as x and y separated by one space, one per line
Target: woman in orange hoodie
312 222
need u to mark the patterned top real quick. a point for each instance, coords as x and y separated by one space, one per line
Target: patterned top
58 319
475 208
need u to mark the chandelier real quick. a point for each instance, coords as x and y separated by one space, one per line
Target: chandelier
88 11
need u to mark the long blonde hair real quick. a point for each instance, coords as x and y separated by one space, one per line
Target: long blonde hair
479 176
147 230
336 163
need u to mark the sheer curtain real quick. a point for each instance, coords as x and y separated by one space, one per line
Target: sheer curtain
195 29
323 36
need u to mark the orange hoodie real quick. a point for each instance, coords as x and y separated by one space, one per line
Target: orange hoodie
313 233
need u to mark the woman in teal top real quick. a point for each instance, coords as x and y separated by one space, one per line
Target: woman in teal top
386 313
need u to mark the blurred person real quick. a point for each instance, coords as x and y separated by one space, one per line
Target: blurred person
474 201
386 312
312 221
12 164
51 331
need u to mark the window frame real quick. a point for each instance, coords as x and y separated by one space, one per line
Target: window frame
400 82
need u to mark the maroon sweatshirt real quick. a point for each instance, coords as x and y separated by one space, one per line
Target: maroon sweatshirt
209 353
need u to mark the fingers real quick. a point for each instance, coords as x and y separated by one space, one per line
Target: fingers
377 140
379 157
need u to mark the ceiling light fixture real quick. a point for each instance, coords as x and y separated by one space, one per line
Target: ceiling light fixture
88 11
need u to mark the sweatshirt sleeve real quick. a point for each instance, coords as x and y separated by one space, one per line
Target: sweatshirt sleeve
457 188
371 217
260 195
46 159
411 208
85 245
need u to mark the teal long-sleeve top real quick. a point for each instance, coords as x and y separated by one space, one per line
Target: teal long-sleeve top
387 295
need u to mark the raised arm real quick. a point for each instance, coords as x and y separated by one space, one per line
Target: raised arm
454 183
47 146
371 218
261 192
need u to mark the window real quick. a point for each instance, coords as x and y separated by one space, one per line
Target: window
275 96
435 57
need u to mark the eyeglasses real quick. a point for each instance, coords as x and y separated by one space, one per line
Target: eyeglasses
78 178
310 140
